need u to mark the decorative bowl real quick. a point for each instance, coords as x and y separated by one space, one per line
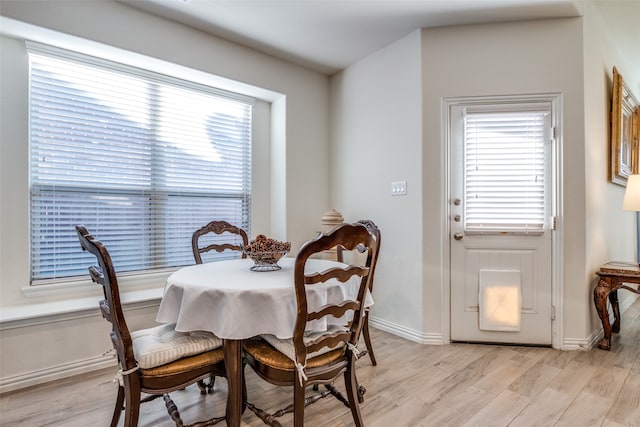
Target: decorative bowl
266 253
266 261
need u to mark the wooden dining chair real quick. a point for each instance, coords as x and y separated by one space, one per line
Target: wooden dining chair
217 236
155 361
311 358
214 230
373 229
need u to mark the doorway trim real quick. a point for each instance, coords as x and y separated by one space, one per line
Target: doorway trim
557 285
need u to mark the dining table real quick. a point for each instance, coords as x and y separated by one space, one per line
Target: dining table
235 303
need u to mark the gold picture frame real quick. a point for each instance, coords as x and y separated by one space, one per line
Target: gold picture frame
625 120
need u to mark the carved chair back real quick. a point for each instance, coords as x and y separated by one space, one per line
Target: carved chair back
348 236
215 229
104 274
375 231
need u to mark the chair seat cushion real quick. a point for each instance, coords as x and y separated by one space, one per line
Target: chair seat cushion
264 353
285 346
186 364
163 344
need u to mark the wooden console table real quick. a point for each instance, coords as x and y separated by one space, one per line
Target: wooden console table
613 275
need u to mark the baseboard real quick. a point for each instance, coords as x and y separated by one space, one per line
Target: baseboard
56 373
572 344
404 332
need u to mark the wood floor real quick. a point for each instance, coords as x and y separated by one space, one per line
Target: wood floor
413 385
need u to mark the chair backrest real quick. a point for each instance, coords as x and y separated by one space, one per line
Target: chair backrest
349 236
218 228
375 231
104 274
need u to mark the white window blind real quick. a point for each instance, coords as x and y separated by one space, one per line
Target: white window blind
505 164
141 159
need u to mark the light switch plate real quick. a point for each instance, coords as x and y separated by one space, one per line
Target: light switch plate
399 188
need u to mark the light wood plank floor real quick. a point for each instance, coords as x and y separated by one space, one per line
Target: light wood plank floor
413 385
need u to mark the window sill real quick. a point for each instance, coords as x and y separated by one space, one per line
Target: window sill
74 308
86 288
79 299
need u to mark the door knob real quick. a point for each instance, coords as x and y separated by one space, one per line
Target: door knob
458 236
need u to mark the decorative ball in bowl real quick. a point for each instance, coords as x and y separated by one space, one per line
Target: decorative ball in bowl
266 252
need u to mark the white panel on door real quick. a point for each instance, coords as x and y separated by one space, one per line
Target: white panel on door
499 300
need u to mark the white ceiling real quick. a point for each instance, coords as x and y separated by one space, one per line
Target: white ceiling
329 35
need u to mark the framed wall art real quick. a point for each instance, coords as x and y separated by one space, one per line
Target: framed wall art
625 121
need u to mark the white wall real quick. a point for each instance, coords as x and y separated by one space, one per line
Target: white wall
503 59
610 231
519 58
376 112
291 168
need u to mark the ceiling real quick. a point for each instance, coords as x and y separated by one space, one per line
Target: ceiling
329 35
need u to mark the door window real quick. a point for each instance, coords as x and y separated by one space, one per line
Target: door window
505 152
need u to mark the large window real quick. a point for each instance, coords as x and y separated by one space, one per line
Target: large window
141 159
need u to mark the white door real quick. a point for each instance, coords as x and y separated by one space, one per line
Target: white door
501 220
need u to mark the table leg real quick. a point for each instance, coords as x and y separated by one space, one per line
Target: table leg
613 298
233 363
600 294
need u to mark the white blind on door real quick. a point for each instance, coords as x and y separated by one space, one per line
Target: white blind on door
141 159
505 163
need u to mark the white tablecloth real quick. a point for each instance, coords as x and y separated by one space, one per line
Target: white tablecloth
233 302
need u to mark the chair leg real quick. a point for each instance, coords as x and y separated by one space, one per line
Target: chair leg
132 403
298 404
244 390
118 409
367 339
360 389
207 386
351 384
